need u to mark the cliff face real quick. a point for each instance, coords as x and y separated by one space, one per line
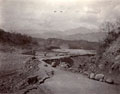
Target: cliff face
109 63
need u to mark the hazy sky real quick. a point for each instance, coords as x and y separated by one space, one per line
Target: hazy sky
40 15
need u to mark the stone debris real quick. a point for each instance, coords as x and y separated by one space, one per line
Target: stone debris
109 81
92 76
99 77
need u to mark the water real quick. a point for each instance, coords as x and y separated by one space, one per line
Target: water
75 51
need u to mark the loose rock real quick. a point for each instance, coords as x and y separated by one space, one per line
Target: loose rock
53 64
99 77
109 81
86 73
92 76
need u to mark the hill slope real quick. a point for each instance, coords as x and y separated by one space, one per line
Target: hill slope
108 60
15 39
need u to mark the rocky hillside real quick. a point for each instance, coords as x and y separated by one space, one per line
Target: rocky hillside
108 58
20 74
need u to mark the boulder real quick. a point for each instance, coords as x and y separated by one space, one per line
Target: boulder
54 64
117 57
101 80
92 76
86 73
64 65
99 77
32 80
109 81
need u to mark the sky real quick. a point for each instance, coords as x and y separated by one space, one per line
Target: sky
38 16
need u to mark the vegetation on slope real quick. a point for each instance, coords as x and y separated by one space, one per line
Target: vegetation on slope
108 56
24 41
16 39
110 38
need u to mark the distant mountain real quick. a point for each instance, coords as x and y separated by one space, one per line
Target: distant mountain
17 39
48 34
94 36
81 33
82 30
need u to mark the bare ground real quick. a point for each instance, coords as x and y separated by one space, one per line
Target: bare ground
70 83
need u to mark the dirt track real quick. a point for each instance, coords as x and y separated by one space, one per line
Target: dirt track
69 83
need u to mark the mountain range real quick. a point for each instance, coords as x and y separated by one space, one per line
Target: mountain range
80 33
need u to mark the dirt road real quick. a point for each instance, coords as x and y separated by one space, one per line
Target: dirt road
69 83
